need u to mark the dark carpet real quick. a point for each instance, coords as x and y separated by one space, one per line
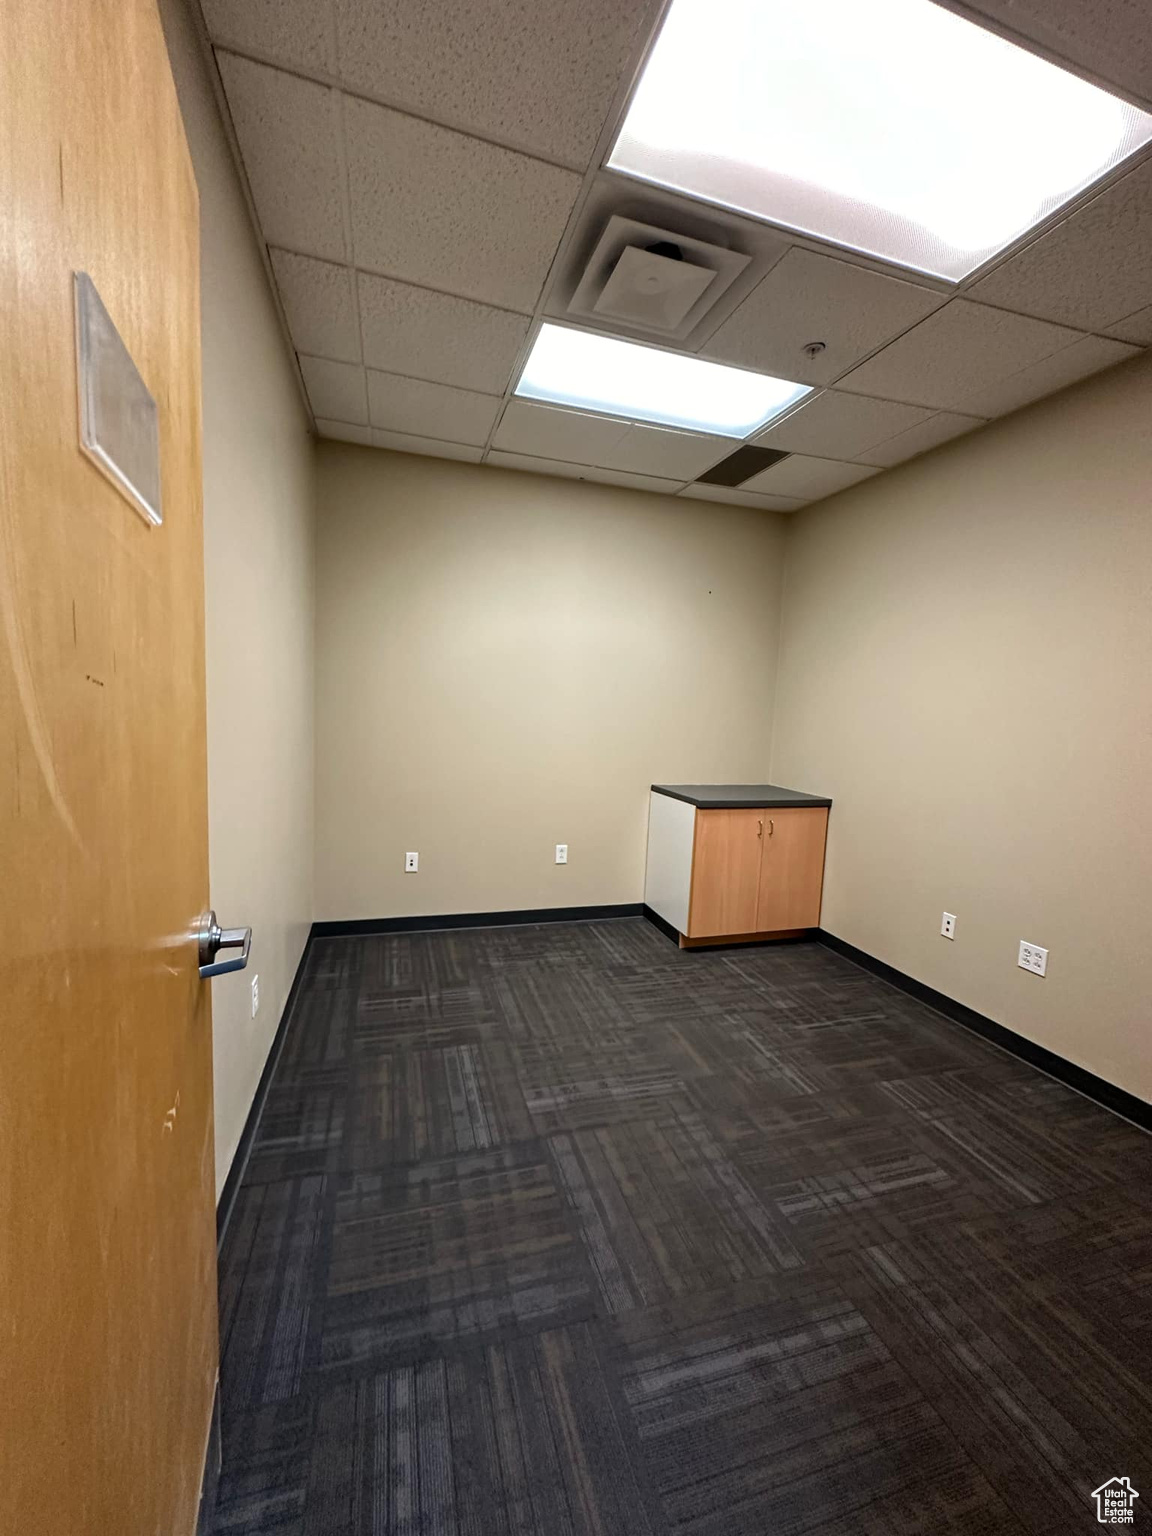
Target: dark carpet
559 1231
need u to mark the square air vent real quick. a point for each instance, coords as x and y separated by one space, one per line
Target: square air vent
653 287
651 279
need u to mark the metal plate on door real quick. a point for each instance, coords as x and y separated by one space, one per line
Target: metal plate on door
119 422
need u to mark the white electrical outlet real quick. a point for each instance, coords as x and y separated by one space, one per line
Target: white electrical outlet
948 925
561 853
1033 958
255 995
411 863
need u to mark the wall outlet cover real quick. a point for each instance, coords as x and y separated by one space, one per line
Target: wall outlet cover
1032 958
561 853
948 925
411 863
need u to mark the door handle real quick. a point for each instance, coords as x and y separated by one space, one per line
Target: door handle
771 826
760 827
211 939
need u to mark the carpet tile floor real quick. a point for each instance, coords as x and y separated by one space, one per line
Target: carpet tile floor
560 1231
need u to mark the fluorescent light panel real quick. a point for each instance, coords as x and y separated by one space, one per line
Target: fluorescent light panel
621 378
893 127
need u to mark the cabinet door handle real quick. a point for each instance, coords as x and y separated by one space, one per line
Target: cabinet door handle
771 826
760 827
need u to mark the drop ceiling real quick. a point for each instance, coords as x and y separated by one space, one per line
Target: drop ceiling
429 183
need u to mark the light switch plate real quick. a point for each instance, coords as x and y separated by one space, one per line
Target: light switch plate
411 863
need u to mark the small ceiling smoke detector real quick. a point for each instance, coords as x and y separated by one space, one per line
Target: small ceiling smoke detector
814 348
651 279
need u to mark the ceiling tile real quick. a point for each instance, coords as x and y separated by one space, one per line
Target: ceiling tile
838 426
438 208
548 432
805 477
665 452
430 410
807 297
430 447
288 131
1110 39
320 301
741 498
1136 327
959 349
1091 269
929 434
1065 367
343 432
336 390
298 33
432 335
539 75
581 472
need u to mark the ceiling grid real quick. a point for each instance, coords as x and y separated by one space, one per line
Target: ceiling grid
429 184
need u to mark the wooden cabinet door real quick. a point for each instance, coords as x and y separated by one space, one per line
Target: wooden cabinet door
725 873
792 870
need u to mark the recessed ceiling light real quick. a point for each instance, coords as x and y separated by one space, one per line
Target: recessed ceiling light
622 378
893 127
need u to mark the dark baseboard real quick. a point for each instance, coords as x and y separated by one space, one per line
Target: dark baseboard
227 1198
749 941
347 928
210 1476
665 927
711 947
1139 1111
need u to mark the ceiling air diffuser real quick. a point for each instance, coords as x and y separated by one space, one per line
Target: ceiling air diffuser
649 279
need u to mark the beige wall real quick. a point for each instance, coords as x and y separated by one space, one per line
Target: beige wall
258 555
966 667
507 661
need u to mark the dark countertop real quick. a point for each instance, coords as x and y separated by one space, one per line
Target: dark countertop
738 797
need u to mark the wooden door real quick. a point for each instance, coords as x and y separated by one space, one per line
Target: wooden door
107 1242
725 873
792 872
